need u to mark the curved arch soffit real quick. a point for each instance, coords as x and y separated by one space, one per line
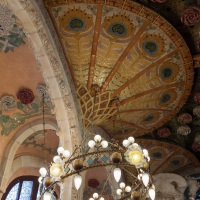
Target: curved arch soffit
15 143
28 162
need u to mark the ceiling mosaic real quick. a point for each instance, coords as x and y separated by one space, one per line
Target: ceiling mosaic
133 72
14 113
11 32
131 53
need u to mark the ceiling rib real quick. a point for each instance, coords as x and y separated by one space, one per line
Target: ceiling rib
129 123
164 87
166 160
124 54
141 109
137 76
94 46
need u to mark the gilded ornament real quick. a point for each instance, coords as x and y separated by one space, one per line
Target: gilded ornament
75 20
152 45
119 26
168 71
167 98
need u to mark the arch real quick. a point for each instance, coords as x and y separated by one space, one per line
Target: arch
51 66
14 144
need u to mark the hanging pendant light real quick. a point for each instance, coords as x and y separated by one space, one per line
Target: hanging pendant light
117 174
77 181
152 193
47 196
145 179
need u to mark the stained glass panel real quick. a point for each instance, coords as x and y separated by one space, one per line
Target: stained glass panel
26 190
12 195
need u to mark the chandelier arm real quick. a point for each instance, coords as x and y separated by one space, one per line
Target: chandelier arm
94 166
91 153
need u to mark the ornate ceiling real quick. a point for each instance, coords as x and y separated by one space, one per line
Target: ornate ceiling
134 65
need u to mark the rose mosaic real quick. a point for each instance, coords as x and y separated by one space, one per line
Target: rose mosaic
7 103
11 32
103 43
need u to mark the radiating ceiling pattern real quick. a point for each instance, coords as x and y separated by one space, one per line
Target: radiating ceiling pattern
131 53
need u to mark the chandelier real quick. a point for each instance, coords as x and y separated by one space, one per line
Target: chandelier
108 153
99 152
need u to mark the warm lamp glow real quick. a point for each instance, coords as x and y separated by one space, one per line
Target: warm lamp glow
135 157
97 138
60 150
145 179
66 153
122 185
95 195
91 143
152 193
104 144
43 172
117 174
127 188
56 170
77 181
47 196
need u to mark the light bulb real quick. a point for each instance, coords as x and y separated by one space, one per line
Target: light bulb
117 174
91 144
152 193
91 199
77 181
145 152
127 188
122 185
135 157
40 179
131 139
47 196
66 153
43 172
56 170
97 138
119 191
95 195
145 179
60 150
148 158
104 144
126 143
56 159
101 198
139 176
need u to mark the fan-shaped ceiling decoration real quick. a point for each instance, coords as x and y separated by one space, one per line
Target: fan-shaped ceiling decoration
126 52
